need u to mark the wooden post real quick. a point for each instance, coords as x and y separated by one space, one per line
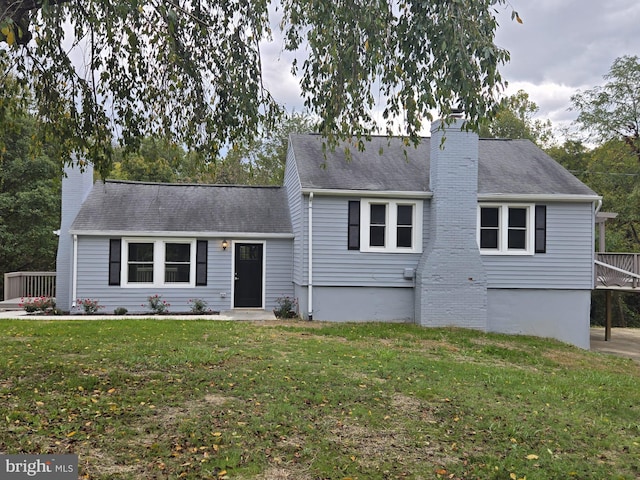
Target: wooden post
608 303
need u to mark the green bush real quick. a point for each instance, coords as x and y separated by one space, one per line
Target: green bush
287 307
39 304
198 306
90 306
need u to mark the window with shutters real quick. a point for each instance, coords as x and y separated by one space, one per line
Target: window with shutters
154 262
511 229
385 225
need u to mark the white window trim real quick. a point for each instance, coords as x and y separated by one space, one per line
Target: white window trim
391 225
159 252
503 230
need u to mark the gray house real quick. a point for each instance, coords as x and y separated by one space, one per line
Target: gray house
486 234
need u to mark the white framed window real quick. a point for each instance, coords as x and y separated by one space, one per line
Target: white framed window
506 229
158 262
390 226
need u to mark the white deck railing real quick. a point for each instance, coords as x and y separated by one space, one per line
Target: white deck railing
617 270
29 284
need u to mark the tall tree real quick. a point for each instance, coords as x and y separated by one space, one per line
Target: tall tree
514 118
572 155
612 111
263 159
155 160
258 162
29 194
190 70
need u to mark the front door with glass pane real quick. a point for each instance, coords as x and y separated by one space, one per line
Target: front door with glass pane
248 275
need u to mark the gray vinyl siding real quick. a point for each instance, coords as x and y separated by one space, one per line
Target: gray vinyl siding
296 210
279 282
567 263
93 269
335 265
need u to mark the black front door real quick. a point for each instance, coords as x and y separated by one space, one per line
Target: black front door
248 275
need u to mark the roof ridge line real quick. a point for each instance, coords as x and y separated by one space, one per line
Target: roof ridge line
177 184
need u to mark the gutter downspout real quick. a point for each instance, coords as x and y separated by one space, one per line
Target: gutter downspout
598 207
74 275
310 279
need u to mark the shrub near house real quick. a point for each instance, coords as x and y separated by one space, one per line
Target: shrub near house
38 304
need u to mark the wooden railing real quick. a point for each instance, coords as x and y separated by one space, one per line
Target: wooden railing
29 284
617 270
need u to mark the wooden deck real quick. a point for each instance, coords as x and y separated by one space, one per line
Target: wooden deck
29 284
617 271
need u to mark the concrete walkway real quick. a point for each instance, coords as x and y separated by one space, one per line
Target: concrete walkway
238 314
624 342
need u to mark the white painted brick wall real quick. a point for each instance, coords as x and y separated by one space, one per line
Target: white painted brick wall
451 286
75 188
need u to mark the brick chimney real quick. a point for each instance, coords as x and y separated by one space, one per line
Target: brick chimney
451 285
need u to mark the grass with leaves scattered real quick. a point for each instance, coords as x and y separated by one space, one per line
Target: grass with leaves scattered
205 399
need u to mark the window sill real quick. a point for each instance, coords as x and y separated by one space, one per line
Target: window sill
514 253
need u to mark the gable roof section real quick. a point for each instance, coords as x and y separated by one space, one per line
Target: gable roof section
136 207
381 167
521 167
505 167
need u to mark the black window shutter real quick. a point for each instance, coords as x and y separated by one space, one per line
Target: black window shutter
115 245
541 228
201 262
353 237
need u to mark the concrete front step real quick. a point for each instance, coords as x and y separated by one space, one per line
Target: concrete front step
11 304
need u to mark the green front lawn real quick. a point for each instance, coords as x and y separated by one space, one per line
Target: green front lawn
145 399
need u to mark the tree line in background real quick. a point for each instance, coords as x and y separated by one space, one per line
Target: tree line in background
260 161
604 153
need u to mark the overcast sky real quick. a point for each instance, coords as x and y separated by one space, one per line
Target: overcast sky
561 46
564 46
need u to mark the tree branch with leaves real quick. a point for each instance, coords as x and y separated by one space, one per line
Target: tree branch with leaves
612 111
191 70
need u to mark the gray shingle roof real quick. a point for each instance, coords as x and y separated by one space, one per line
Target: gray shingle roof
152 207
516 167
509 167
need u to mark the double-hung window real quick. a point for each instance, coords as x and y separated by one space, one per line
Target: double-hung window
140 262
506 229
388 226
378 225
177 263
404 228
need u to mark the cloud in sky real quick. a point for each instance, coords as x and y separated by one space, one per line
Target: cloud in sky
565 46
562 46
